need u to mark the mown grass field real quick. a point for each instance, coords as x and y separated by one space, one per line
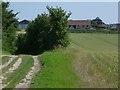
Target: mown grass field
90 61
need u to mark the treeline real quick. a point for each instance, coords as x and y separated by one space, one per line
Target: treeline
46 32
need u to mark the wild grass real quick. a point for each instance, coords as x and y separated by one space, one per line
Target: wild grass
57 71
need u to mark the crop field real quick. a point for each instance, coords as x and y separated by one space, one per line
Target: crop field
96 59
90 61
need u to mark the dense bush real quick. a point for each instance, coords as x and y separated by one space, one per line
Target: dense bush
46 32
58 23
9 40
9 27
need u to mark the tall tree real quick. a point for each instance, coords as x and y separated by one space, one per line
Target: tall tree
37 32
58 21
9 26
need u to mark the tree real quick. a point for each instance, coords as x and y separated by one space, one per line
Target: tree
37 32
46 32
34 39
58 35
9 26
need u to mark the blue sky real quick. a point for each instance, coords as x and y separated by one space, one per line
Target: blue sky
107 11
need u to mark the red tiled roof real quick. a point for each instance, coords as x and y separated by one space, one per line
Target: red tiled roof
79 22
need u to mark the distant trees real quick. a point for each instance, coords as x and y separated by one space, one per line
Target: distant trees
46 32
9 26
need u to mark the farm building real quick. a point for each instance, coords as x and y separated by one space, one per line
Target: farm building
115 26
72 24
87 24
79 24
98 23
23 24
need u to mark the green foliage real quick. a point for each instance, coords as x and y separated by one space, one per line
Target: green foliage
58 23
21 43
9 39
37 33
8 17
9 26
47 31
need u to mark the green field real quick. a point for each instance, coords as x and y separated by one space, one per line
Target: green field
96 59
90 61
95 42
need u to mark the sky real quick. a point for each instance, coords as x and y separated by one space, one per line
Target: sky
107 11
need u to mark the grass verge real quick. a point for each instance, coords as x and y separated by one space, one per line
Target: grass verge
57 71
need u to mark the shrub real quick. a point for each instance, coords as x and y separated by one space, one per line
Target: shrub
46 32
9 39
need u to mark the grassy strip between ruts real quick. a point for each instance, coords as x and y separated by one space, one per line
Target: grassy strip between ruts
19 74
10 65
57 71
5 59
